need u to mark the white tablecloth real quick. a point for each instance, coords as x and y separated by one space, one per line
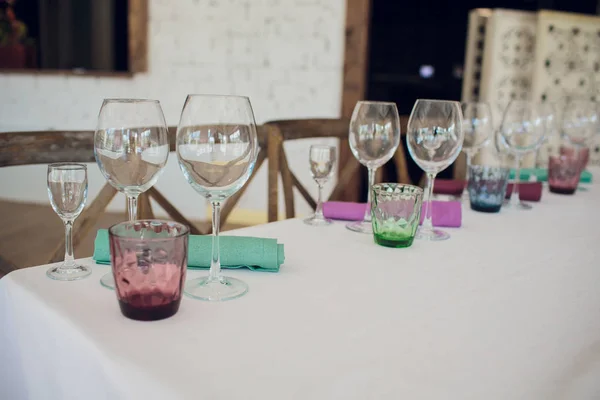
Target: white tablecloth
508 308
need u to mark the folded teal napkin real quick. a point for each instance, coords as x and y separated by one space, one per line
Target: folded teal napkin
257 254
541 175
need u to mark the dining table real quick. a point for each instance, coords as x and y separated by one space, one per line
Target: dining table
507 308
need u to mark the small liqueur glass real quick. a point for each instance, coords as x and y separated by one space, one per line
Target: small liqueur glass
322 160
395 213
487 187
564 172
149 264
67 190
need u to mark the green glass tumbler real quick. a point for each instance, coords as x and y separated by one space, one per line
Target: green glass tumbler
395 213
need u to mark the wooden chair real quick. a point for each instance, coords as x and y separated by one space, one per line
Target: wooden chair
45 147
281 131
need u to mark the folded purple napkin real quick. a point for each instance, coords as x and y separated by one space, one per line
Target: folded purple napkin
528 191
444 213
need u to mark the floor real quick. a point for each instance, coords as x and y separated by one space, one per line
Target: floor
31 232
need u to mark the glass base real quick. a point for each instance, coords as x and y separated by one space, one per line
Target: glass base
361 227
431 234
518 206
221 289
316 221
108 281
62 273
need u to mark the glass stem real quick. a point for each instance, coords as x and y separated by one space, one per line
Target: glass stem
367 217
514 197
319 208
69 257
468 154
215 262
132 207
427 223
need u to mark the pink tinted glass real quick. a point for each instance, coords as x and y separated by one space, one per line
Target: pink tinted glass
149 264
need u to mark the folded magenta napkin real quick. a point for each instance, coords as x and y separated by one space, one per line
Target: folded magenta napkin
257 254
528 191
444 213
452 187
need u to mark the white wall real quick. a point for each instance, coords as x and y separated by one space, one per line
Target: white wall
286 55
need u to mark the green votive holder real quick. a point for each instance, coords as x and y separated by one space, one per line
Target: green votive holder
395 213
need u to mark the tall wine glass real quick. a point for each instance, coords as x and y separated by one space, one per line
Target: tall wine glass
478 128
374 138
217 148
580 122
322 160
434 140
131 145
67 190
523 129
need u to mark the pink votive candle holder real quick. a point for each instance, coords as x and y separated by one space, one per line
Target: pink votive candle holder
149 264
564 172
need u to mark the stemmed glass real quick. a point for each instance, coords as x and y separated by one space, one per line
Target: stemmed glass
523 129
67 190
434 140
374 138
580 122
322 160
217 148
478 128
131 145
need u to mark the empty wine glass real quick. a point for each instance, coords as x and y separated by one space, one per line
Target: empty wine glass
478 129
580 122
67 190
434 140
322 160
523 129
217 148
131 145
374 138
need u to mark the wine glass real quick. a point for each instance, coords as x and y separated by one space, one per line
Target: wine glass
131 145
523 129
217 148
67 190
322 160
580 122
374 138
478 129
434 140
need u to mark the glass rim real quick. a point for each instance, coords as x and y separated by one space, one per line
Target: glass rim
207 95
378 187
67 166
184 231
438 101
130 100
389 103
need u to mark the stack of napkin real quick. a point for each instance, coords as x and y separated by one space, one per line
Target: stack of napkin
444 213
541 175
257 254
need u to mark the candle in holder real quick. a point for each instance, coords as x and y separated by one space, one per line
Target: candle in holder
149 264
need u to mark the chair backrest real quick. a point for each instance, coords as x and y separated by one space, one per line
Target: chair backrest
281 131
45 147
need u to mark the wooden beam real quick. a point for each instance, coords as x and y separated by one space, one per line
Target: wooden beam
137 19
358 15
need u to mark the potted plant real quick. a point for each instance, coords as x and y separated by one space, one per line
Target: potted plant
13 37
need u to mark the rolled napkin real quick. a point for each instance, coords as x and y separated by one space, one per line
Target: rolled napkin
453 187
528 191
444 213
541 175
257 254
